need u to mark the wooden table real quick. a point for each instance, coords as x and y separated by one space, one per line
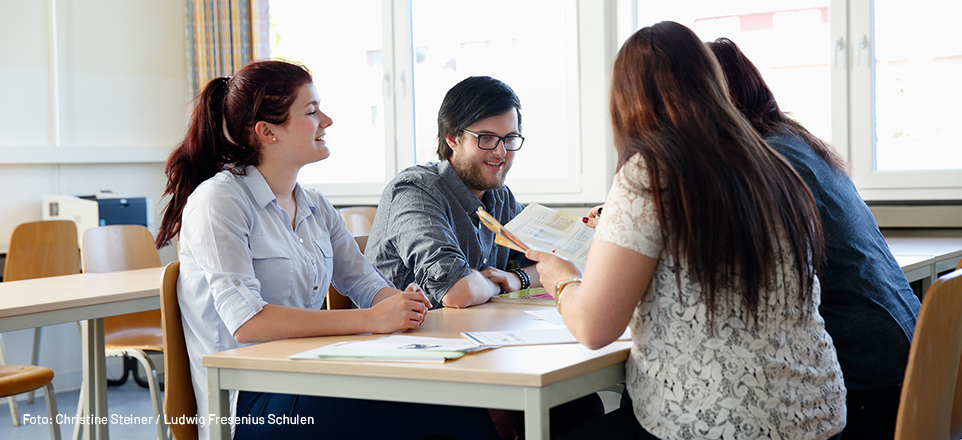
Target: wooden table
531 378
87 298
924 258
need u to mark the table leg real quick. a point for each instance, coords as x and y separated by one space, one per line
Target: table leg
95 374
537 425
218 405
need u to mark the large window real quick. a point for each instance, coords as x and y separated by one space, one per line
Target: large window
904 65
918 85
382 68
530 56
879 79
341 43
787 41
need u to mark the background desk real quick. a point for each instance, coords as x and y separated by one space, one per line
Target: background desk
82 297
923 259
532 378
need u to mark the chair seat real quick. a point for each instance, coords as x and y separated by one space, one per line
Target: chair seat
18 379
148 339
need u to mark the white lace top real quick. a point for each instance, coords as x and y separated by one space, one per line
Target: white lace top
777 380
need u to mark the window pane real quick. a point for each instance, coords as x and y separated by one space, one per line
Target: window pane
918 53
520 43
787 40
341 43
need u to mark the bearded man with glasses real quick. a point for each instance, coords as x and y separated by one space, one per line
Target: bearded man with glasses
427 229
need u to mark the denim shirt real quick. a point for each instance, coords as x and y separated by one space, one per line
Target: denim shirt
868 306
427 230
238 253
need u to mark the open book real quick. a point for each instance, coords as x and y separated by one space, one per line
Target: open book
545 229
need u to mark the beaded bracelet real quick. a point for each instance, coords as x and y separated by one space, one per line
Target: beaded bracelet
523 276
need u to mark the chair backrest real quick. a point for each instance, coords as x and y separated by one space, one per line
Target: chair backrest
114 248
931 404
42 249
334 299
957 406
178 390
358 219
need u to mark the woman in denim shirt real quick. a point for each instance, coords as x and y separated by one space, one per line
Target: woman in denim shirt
868 305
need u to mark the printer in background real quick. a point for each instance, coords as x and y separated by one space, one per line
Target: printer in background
103 208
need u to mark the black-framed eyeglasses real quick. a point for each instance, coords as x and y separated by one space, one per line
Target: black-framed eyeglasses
490 141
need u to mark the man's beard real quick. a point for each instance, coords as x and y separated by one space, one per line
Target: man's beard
472 176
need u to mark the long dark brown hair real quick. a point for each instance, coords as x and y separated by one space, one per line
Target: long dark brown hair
220 134
756 101
724 198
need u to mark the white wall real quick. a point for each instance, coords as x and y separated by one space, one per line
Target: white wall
93 96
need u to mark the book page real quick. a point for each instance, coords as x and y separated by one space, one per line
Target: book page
553 231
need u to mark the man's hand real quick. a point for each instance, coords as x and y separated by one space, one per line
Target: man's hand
508 281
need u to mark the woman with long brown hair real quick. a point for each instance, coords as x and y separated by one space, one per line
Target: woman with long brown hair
869 308
258 251
708 249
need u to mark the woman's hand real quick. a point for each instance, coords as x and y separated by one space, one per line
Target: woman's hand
508 281
401 311
593 216
552 269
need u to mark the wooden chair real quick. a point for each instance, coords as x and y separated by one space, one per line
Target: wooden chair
931 402
179 401
37 250
358 219
115 248
334 299
956 429
19 379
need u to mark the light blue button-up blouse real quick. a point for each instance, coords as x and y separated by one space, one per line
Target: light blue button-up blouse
238 253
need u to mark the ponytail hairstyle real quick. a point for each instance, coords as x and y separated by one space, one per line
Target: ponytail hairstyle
756 102
220 134
728 205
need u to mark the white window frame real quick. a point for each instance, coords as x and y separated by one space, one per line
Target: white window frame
859 125
852 80
590 151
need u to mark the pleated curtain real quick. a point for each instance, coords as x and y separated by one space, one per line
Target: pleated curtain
223 36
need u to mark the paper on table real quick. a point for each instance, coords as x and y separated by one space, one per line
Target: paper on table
548 314
558 335
394 348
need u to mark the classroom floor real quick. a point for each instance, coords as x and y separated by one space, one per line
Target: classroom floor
128 400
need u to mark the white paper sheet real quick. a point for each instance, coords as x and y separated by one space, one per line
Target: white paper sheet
558 335
394 348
